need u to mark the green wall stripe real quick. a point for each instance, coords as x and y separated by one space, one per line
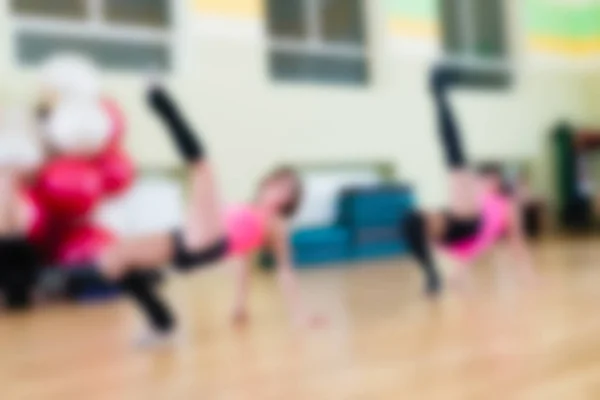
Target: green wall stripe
421 9
547 18
566 21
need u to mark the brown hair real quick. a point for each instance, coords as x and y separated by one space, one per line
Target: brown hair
490 168
495 169
286 172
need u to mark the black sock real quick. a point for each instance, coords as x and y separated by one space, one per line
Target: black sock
441 80
19 268
187 142
142 288
415 233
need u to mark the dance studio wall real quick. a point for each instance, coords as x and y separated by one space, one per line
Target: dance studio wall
563 28
252 123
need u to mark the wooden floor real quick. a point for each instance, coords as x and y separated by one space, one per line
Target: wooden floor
384 341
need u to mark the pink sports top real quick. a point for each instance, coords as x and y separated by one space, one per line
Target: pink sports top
246 229
496 214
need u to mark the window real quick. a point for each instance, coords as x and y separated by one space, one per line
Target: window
318 40
474 35
124 34
474 29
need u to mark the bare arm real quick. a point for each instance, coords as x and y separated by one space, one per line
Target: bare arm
241 270
285 271
12 221
517 242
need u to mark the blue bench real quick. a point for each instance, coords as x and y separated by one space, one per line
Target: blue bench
367 227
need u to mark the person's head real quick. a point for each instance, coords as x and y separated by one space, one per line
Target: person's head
280 191
492 178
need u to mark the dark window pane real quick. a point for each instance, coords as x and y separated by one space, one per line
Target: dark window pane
489 28
35 48
72 9
153 13
343 21
286 18
451 27
291 66
487 78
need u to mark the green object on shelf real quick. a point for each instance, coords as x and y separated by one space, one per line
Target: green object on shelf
566 173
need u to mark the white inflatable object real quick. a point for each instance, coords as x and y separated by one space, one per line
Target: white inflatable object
322 190
77 126
71 75
152 205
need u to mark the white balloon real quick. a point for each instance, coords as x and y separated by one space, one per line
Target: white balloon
135 212
76 126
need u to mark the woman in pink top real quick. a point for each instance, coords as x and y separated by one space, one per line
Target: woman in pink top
499 221
479 214
211 232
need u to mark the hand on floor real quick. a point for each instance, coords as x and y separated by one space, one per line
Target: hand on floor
240 317
311 321
531 278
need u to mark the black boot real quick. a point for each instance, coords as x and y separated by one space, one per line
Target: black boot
415 233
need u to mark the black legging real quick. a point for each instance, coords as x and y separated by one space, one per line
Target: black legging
142 288
441 80
190 147
414 229
185 139
140 285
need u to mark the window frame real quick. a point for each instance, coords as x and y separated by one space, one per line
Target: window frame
314 44
467 35
94 26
